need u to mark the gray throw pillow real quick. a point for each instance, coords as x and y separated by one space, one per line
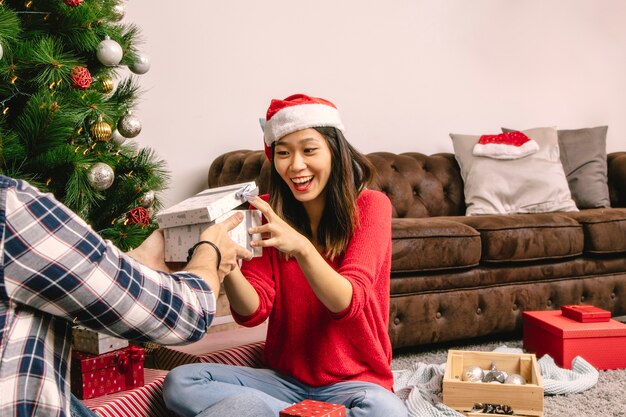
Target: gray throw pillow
583 155
533 184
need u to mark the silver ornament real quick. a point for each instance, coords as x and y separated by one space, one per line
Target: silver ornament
101 176
1 51
516 379
141 64
147 200
117 137
129 125
109 52
473 374
119 10
494 375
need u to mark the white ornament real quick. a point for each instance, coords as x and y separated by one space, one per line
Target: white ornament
129 125
119 10
1 51
147 200
101 176
141 64
109 52
117 137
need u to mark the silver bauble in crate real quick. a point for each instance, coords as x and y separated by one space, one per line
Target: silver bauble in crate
129 125
117 137
119 10
109 52
473 374
101 176
147 200
516 379
141 64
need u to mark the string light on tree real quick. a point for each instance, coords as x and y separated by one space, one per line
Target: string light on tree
141 64
109 52
129 125
101 176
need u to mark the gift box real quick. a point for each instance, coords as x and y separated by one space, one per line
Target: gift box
602 344
87 341
95 375
312 408
463 395
184 222
585 313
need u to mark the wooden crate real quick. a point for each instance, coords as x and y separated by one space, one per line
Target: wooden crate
525 400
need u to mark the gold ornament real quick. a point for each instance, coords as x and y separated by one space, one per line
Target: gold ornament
106 85
100 130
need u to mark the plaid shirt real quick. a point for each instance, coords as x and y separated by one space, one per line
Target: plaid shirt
56 272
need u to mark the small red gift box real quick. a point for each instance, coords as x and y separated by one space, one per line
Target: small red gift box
585 313
312 408
95 375
602 344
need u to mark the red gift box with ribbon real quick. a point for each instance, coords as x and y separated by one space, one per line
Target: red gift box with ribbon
312 408
96 375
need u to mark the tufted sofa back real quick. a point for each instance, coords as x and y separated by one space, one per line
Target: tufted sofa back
417 185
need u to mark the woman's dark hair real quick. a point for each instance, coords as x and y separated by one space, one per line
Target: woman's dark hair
350 173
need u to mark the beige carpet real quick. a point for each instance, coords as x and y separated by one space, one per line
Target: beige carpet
606 399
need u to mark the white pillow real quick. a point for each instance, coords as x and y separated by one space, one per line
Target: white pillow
534 184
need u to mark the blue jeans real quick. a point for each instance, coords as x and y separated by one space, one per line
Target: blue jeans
78 409
190 389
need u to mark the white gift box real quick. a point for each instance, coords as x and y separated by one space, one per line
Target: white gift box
184 222
88 341
206 206
179 239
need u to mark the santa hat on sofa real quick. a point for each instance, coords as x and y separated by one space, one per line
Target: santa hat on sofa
508 145
295 113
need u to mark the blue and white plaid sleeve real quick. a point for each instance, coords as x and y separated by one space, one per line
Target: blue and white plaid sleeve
56 263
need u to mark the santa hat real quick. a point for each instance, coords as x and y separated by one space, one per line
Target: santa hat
509 145
295 113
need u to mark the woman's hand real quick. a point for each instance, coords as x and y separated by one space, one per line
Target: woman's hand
151 252
277 232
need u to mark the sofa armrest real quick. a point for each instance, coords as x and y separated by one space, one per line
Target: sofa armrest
616 165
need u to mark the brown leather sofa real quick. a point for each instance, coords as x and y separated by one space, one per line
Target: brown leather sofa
458 277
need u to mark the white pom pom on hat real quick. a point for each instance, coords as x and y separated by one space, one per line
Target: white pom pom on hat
297 112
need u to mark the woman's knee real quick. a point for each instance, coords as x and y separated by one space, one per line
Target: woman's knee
381 402
175 385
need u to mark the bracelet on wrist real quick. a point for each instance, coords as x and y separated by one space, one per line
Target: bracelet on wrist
192 250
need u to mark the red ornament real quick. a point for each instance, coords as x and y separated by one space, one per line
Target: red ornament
138 215
81 78
73 3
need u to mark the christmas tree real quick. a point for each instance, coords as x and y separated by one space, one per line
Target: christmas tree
63 125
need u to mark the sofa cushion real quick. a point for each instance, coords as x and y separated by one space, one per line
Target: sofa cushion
534 184
583 155
431 244
605 229
523 237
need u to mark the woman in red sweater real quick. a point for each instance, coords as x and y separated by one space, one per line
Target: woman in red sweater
322 282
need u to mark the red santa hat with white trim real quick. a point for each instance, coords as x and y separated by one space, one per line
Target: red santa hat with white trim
508 145
297 112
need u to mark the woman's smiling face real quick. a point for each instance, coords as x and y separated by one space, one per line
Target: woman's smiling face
303 160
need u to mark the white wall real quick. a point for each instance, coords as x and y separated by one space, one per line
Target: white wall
404 73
